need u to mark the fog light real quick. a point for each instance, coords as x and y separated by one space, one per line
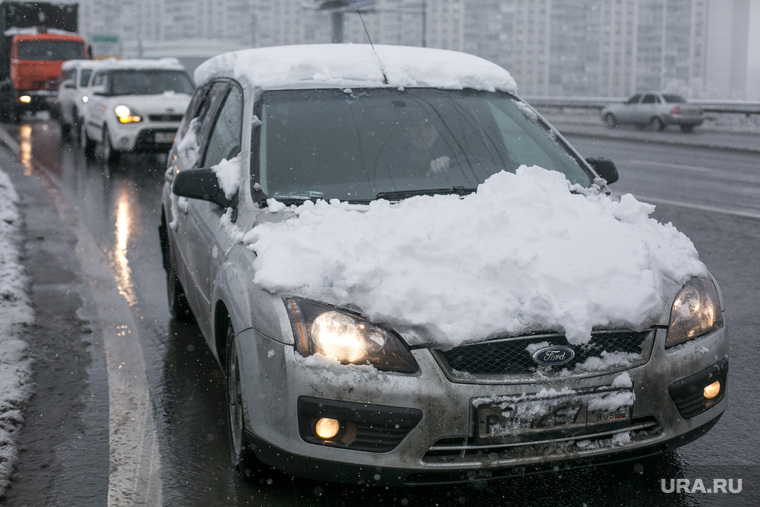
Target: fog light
26 99
712 390
327 428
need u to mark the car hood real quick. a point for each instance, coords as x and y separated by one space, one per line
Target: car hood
526 252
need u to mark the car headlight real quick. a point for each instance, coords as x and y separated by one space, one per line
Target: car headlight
126 115
346 337
696 311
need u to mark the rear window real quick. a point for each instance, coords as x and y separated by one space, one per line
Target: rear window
673 99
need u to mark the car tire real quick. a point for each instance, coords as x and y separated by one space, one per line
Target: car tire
657 124
76 129
243 460
178 305
610 121
110 154
88 145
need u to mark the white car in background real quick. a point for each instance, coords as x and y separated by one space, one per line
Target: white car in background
135 106
657 110
73 93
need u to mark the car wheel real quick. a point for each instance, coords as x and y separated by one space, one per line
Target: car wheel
657 124
610 121
242 457
109 153
88 145
687 128
178 306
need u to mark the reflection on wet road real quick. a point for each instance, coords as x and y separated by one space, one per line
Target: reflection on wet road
118 207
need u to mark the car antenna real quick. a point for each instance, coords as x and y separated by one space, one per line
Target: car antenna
361 18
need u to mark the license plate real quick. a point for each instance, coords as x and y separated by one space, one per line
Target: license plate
164 137
511 419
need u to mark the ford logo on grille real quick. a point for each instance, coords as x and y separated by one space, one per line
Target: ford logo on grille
553 356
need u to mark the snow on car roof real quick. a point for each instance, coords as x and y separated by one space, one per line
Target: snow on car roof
140 63
330 65
84 64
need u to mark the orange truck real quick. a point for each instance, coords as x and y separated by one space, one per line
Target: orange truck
37 37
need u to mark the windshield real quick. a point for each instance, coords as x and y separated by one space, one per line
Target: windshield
50 50
379 143
150 82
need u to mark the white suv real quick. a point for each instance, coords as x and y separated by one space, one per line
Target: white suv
73 93
135 105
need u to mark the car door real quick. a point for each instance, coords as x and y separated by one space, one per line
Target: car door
82 90
202 238
66 94
647 109
96 107
627 113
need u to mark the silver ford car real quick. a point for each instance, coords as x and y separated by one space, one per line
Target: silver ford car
408 277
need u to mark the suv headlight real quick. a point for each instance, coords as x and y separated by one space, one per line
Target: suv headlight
346 337
126 115
696 311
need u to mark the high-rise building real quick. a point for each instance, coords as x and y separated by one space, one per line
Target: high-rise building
602 48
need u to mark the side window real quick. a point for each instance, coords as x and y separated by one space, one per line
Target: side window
224 141
84 77
196 123
649 99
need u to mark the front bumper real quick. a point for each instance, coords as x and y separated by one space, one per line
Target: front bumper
441 445
145 136
694 120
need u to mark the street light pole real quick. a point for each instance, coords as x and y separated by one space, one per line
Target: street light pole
424 23
337 27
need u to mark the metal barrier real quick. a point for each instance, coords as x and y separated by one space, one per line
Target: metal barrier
710 106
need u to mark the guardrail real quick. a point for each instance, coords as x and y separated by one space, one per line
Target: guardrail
746 108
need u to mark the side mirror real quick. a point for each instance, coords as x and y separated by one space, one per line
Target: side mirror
201 184
68 83
99 90
605 168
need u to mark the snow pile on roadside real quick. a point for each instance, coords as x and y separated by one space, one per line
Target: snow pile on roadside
15 313
524 252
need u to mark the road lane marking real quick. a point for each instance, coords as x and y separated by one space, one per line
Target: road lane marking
655 165
701 207
134 477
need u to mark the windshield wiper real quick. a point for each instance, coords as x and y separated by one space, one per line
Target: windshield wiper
396 195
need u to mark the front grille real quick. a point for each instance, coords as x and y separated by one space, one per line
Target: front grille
165 117
465 451
606 351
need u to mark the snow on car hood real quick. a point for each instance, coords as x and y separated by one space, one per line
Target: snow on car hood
522 253
320 65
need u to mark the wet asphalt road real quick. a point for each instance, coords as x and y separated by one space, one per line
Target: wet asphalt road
93 255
